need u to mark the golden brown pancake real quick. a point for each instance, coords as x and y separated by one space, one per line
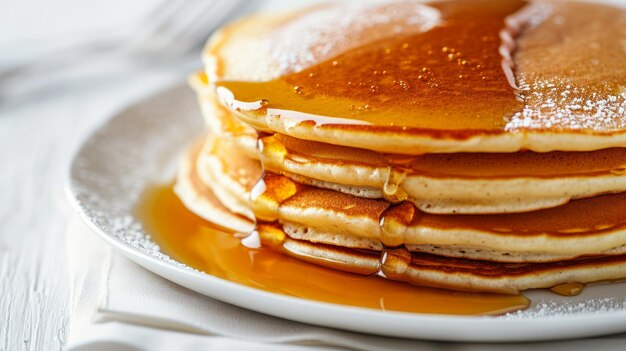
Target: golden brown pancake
400 264
435 183
201 200
582 227
449 82
577 228
450 273
451 183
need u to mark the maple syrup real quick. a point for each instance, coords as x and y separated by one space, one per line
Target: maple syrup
423 80
487 67
193 241
568 289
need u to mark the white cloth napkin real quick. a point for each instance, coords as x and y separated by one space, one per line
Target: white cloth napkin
118 305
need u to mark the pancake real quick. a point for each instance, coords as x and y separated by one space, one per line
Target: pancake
201 200
450 273
439 77
451 183
297 231
399 264
578 228
583 227
219 120
234 176
469 145
436 183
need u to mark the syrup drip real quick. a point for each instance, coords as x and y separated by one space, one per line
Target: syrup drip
578 218
568 289
392 188
190 239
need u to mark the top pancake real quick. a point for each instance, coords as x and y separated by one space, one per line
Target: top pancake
453 76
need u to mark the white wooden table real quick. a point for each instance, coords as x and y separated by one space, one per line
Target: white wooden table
36 144
39 132
38 135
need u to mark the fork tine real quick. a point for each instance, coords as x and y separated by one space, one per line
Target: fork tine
153 22
183 33
174 26
197 31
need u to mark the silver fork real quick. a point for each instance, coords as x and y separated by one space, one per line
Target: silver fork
171 29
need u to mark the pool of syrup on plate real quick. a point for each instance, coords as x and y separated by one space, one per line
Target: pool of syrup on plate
195 242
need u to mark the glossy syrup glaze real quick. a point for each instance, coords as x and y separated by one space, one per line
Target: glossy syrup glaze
192 240
486 67
438 79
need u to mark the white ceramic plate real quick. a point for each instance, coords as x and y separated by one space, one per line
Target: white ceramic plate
140 146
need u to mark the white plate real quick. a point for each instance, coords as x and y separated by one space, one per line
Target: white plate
140 146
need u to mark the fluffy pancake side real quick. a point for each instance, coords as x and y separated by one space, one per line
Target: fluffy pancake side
582 227
451 183
414 267
435 183
201 200
450 273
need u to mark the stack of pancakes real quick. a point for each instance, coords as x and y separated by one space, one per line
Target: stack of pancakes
471 145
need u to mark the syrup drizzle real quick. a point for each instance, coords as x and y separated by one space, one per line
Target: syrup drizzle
409 80
540 67
568 289
190 239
